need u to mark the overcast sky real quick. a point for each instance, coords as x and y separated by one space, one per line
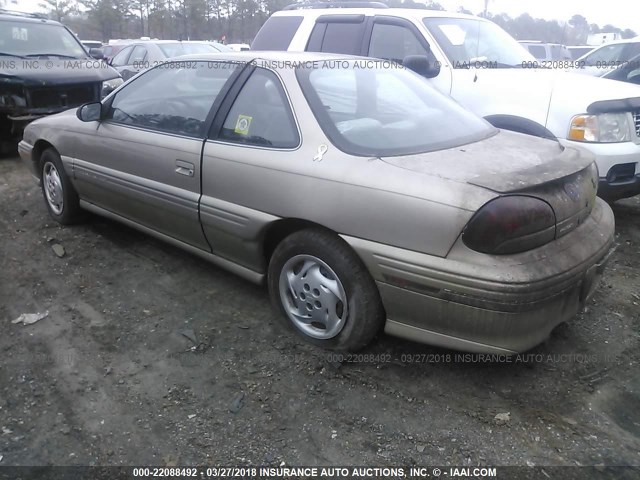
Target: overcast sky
621 13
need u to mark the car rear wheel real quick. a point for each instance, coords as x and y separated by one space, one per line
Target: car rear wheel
324 291
60 197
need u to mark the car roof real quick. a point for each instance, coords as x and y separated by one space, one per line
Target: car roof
251 55
392 12
25 18
163 42
624 40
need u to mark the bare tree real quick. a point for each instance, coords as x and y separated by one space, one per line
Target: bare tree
59 9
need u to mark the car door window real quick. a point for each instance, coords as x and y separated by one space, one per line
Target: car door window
174 97
138 55
261 114
120 60
343 38
394 42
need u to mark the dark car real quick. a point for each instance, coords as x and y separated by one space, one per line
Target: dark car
141 55
44 69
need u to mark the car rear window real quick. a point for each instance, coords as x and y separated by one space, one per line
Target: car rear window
377 108
276 33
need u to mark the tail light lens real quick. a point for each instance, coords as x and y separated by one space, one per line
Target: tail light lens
510 224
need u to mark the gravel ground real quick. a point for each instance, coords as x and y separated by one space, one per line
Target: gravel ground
150 356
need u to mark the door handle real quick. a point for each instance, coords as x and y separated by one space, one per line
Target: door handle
185 168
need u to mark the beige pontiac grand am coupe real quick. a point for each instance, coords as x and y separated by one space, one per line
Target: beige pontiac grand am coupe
357 192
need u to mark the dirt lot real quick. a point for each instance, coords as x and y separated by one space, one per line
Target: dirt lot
111 376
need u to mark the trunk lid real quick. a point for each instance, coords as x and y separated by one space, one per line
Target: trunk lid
511 163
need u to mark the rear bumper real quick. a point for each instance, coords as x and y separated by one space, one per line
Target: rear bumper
490 304
610 156
619 189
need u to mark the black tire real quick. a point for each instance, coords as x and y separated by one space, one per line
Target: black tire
70 211
364 315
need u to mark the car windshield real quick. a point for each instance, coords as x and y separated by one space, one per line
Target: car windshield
378 108
25 39
177 49
609 55
466 42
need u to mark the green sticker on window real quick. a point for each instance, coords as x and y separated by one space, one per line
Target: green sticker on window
243 124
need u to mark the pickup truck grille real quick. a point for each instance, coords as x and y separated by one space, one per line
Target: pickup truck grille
62 97
636 121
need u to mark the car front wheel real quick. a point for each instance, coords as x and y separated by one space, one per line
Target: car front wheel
59 195
324 291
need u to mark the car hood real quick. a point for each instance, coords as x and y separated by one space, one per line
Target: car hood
548 97
503 163
61 120
40 72
591 88
584 86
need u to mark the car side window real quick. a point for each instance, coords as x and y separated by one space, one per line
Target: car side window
174 98
277 33
261 114
394 42
343 38
120 60
138 55
337 34
557 52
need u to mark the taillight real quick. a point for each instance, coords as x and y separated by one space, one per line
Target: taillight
510 224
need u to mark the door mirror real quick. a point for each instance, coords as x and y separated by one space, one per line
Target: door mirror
90 112
425 65
96 53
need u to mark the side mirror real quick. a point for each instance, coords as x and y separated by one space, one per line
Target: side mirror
90 112
96 53
425 65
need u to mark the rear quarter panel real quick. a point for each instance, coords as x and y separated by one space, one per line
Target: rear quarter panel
357 196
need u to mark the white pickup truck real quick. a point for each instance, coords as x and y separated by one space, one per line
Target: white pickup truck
487 71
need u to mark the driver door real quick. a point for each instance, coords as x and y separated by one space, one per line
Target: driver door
143 161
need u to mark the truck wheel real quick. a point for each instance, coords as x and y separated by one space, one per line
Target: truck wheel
324 291
60 197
